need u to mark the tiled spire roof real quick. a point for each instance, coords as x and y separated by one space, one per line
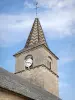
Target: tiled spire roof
36 35
36 38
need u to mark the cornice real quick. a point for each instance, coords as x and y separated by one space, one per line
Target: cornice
35 47
37 67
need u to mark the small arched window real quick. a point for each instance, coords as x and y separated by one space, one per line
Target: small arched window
29 56
50 65
49 62
50 58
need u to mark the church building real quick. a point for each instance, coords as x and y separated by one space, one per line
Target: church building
36 76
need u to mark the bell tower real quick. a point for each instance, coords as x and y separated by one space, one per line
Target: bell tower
36 62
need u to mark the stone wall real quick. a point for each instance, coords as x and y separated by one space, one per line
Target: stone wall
42 77
40 56
7 95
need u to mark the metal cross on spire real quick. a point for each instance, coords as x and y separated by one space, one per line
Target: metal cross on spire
36 8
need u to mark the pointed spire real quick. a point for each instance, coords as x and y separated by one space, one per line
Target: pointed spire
36 36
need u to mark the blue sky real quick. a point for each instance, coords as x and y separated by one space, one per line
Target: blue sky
57 18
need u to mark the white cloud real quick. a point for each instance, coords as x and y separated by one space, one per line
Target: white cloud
29 5
64 60
13 28
55 3
59 17
66 55
57 23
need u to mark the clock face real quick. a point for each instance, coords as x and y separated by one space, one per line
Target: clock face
28 62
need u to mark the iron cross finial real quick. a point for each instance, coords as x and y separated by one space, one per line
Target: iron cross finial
36 8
